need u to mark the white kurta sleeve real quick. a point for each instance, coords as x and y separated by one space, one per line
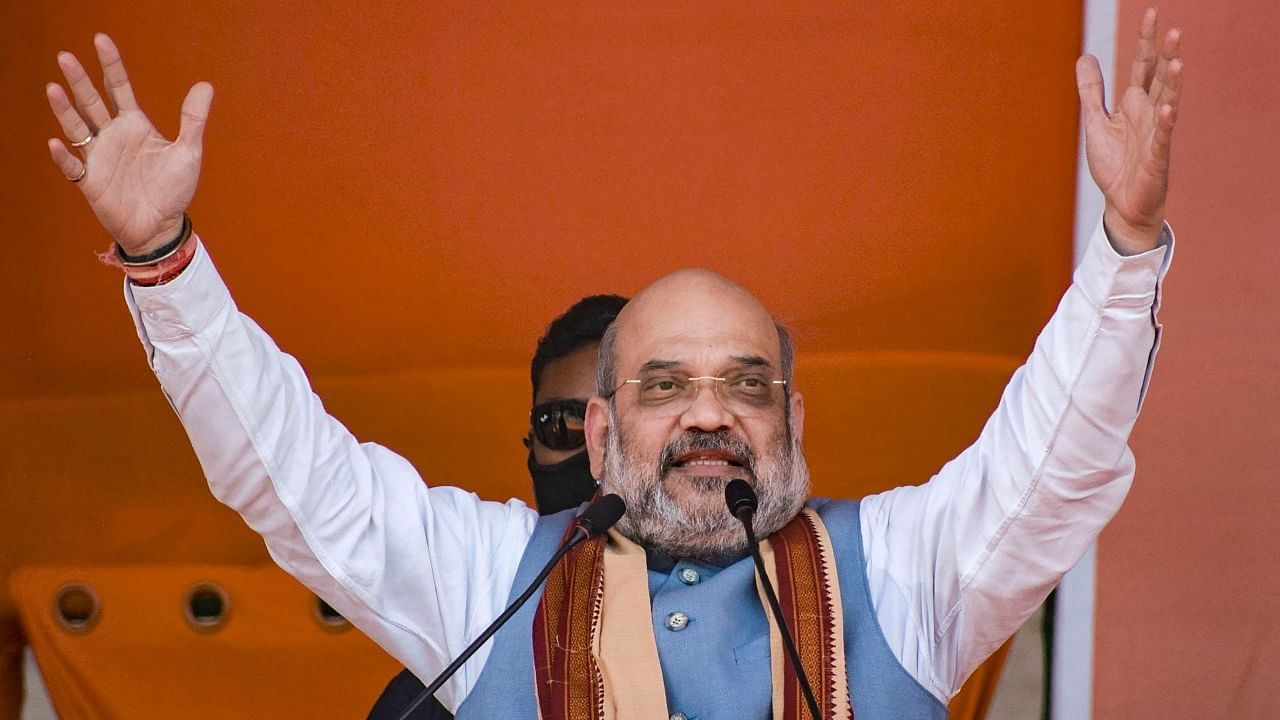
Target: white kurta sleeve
419 570
956 565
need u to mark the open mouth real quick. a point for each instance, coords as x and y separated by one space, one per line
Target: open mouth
714 457
708 460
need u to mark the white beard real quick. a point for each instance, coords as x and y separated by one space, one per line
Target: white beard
656 521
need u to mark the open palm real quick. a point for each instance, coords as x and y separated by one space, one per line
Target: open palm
1128 149
137 182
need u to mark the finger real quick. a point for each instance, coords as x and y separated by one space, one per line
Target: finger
195 113
114 78
1168 54
73 126
70 165
92 109
1162 139
1145 58
1172 91
1089 85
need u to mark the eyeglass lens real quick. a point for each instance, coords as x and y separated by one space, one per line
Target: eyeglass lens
742 393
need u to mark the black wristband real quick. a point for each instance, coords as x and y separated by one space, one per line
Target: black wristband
161 252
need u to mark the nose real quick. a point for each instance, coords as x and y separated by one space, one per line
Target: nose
706 411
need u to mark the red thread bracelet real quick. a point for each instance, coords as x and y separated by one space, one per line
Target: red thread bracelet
159 272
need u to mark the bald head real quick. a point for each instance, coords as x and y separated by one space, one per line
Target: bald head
693 289
692 316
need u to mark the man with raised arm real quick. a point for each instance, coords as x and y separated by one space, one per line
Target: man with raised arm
893 599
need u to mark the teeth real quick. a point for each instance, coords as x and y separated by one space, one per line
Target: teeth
707 462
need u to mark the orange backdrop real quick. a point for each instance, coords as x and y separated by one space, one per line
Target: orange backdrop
404 196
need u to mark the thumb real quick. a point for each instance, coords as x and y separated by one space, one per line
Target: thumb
1089 85
195 112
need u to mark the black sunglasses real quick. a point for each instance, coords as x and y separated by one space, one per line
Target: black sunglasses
558 424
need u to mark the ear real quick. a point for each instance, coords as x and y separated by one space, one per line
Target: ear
596 427
797 415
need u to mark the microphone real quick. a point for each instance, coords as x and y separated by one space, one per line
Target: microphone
595 520
742 502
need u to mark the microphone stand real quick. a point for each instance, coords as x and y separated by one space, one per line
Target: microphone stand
596 519
742 503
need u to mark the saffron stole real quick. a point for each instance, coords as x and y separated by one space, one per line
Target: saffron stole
595 657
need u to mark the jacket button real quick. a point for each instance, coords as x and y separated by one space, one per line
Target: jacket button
677 621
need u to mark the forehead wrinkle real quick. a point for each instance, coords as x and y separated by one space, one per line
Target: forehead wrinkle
743 360
734 342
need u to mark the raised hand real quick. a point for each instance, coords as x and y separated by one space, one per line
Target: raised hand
1128 149
138 183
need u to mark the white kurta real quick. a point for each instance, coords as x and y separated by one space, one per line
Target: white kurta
954 565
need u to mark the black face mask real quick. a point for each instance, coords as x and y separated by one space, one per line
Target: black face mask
563 485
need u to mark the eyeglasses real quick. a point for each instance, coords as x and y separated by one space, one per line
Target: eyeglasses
744 393
559 424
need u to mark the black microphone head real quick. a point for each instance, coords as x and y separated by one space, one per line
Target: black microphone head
740 497
601 515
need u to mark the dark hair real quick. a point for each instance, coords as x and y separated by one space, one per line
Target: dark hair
581 325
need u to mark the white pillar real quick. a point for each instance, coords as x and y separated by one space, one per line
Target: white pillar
1072 668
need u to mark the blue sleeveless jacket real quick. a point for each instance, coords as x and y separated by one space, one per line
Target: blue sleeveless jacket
713 638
